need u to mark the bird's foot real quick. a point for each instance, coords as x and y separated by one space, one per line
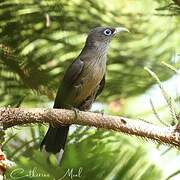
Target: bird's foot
76 112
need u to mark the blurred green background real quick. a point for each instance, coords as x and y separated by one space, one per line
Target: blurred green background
40 38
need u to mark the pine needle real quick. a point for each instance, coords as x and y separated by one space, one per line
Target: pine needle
170 102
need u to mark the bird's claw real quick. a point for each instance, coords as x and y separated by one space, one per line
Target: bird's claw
76 112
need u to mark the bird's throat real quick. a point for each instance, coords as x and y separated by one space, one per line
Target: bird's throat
96 50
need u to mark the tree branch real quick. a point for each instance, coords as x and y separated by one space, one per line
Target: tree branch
18 116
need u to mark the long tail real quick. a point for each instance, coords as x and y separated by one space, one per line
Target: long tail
55 140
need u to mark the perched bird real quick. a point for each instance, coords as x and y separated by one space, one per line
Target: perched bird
82 82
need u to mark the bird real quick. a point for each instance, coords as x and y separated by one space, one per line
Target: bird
83 81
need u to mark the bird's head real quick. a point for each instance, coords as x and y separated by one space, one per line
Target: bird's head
103 35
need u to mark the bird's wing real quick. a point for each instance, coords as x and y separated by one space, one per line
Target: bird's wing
70 77
101 86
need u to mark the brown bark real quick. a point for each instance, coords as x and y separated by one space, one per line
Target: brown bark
18 116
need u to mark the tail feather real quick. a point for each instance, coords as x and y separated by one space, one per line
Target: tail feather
55 139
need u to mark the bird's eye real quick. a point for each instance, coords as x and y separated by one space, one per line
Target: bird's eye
107 32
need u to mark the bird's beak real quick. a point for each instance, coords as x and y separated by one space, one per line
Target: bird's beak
120 29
